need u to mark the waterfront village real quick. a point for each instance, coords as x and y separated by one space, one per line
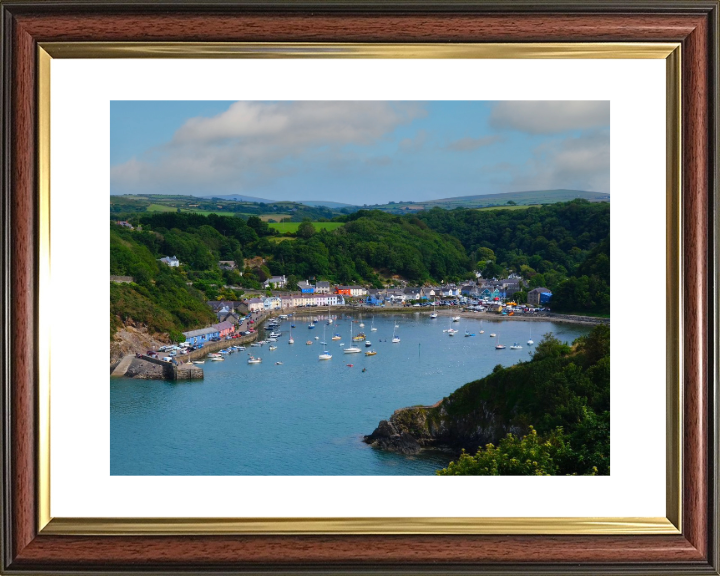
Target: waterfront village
239 320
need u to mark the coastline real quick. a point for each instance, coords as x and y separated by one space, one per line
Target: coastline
489 316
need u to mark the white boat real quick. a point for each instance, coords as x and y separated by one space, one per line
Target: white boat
530 342
325 355
451 332
499 346
434 314
492 335
272 339
199 362
352 349
481 331
372 325
395 339
291 341
256 345
240 348
317 337
253 360
272 348
361 322
456 319
311 326
217 359
336 337
368 343
330 321
515 346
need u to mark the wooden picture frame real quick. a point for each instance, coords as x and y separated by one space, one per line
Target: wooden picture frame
31 545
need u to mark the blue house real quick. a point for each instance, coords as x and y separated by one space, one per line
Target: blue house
306 287
201 336
375 298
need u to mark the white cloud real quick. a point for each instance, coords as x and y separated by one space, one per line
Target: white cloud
254 142
468 144
549 117
575 163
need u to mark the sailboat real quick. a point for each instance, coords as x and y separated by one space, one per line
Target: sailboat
499 346
325 355
395 338
481 331
372 325
434 314
352 349
361 322
291 341
530 342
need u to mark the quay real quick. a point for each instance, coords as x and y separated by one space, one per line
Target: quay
146 367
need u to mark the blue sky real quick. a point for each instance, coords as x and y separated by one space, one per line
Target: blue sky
358 152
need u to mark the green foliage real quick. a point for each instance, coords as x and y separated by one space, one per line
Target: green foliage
526 456
589 290
546 245
160 297
306 229
372 243
564 392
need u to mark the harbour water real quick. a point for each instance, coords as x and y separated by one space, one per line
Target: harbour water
306 416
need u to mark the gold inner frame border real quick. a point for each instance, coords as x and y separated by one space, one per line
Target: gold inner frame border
671 524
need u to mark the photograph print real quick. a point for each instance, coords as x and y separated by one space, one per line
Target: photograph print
360 288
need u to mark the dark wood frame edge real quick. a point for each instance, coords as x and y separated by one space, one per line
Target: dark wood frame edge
24 551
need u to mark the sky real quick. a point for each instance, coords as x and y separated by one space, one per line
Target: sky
362 152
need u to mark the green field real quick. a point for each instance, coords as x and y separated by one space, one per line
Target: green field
160 208
292 227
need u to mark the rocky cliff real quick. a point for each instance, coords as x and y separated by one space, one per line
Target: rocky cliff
557 388
134 339
409 430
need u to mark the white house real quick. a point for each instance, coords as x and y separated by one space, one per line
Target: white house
272 303
277 281
255 305
172 262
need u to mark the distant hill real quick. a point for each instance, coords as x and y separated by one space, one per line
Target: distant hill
239 198
326 203
484 200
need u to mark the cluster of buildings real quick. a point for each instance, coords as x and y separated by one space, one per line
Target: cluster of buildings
202 335
323 294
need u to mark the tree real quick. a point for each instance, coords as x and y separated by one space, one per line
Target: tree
484 254
530 455
511 203
306 229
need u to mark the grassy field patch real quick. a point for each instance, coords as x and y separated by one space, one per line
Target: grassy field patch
292 227
160 208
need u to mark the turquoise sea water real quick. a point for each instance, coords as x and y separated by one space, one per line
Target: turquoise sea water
307 417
